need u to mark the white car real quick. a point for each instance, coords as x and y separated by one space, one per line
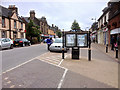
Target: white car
6 43
57 45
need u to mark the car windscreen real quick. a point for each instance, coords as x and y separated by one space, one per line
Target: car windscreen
18 39
58 40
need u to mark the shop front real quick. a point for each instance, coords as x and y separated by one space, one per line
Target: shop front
100 36
105 36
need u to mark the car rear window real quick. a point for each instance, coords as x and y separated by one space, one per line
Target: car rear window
18 39
58 40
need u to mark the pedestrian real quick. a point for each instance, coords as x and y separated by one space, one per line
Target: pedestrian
49 42
118 39
113 42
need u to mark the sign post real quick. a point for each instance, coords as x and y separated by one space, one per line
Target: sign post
89 49
63 44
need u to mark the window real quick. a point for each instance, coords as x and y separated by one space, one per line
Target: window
22 35
105 19
15 24
3 34
3 22
21 25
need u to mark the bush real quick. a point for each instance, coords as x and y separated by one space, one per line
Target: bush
34 40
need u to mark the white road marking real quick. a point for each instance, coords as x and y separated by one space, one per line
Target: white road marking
62 79
20 64
6 78
9 82
12 86
61 61
53 64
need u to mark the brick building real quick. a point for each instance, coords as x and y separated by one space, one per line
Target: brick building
114 20
11 25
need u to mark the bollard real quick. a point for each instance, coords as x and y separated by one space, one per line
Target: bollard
116 52
89 54
107 48
62 53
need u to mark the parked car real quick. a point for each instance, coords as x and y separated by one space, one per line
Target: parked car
6 43
22 42
57 45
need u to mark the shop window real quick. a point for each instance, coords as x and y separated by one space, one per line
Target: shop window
3 22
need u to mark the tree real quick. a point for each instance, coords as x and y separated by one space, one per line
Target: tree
59 34
75 26
32 30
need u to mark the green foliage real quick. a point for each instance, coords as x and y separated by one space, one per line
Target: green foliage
32 30
75 25
59 34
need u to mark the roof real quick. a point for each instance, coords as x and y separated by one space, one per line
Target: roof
36 21
105 10
5 12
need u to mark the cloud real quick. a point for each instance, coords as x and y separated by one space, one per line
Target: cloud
62 14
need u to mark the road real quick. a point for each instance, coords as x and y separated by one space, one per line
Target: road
39 68
16 56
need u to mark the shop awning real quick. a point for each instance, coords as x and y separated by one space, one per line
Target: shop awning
115 31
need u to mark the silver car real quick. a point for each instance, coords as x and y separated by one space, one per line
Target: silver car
6 43
57 45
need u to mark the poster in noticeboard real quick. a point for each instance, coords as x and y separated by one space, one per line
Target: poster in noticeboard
70 40
82 40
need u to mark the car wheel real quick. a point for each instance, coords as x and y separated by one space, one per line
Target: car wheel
29 44
23 44
11 46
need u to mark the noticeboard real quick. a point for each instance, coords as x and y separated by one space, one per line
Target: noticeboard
82 40
76 40
70 40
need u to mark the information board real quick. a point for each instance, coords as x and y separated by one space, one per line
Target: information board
70 40
76 40
82 40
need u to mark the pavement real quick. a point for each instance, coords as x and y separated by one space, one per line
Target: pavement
48 70
102 67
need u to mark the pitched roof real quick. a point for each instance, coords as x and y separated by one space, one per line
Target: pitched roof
36 21
5 12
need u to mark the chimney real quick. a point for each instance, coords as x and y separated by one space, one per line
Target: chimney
32 14
52 25
13 8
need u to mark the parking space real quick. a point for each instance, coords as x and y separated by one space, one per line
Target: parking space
35 74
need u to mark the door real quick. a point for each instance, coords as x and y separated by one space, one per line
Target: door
8 43
4 44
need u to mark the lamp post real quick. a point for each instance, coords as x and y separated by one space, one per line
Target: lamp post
63 44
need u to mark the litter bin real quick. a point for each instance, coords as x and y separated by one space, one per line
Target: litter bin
75 53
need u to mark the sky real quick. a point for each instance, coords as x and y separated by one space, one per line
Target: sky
61 13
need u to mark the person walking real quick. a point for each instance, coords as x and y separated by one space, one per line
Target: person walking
113 42
49 42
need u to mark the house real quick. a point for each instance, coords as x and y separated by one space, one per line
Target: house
45 29
102 26
11 25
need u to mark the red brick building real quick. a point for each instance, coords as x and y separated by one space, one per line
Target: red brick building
114 20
